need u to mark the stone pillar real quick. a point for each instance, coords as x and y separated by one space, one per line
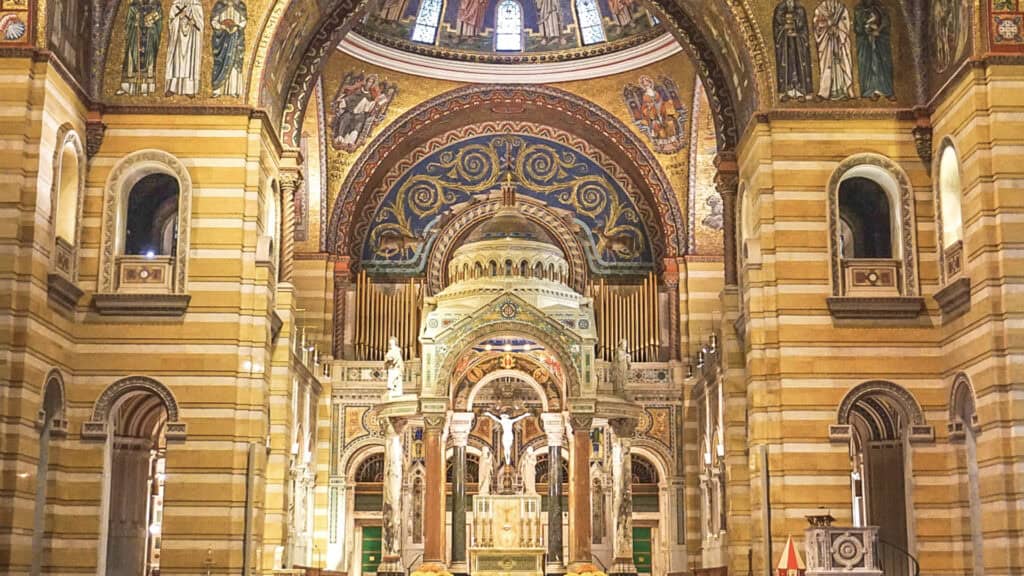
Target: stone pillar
462 424
554 427
727 183
434 493
673 502
128 501
579 491
391 535
622 496
289 183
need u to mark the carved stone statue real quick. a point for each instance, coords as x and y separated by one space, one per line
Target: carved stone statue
485 467
507 435
396 368
620 368
529 472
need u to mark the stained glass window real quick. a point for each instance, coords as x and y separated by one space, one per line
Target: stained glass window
509 26
427 20
589 16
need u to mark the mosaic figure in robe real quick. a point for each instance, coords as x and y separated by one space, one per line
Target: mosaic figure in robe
143 23
835 65
792 51
469 20
185 47
874 49
228 21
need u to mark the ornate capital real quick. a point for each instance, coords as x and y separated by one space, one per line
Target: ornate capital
623 427
554 427
727 173
581 422
461 425
923 135
289 179
434 422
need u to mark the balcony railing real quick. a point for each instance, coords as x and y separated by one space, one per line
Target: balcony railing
145 274
871 277
954 260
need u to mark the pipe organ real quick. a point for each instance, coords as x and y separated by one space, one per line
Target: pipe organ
631 312
383 310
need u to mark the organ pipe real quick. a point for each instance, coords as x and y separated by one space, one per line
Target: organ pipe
384 310
629 311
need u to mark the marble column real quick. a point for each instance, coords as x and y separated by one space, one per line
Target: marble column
129 502
622 496
391 535
579 491
554 428
434 492
289 182
462 424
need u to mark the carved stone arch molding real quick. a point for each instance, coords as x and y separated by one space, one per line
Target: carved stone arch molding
560 346
125 174
907 227
918 429
357 452
448 239
98 425
963 404
53 414
67 134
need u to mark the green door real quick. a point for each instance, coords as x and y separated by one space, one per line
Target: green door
642 550
371 549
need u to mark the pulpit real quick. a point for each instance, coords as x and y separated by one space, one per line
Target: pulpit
507 537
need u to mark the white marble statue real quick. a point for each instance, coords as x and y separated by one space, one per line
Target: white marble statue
529 472
507 435
396 368
484 471
620 368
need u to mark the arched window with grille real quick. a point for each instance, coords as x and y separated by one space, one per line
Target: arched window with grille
588 14
428 18
508 27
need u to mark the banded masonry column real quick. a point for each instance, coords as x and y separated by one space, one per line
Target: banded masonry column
579 490
727 180
391 534
462 424
554 427
289 180
622 496
434 493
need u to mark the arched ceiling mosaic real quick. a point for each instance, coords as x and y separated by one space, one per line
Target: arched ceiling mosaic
751 55
566 176
552 30
588 141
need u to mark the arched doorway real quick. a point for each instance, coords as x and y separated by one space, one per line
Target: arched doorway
882 418
136 417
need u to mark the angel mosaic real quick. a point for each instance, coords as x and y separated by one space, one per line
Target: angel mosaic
360 104
658 112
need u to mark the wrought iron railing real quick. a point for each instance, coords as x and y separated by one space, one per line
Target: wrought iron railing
895 561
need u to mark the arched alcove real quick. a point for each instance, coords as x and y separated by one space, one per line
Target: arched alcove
159 221
871 228
950 199
66 200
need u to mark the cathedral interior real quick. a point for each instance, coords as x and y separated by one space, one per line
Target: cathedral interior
512 287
